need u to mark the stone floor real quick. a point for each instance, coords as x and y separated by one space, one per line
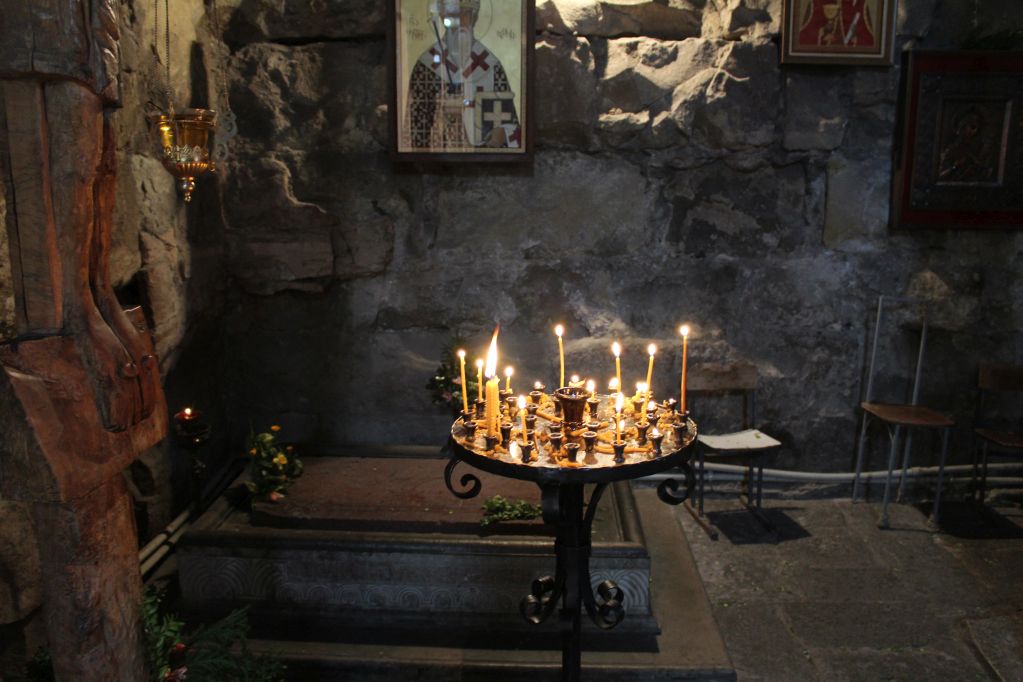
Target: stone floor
829 596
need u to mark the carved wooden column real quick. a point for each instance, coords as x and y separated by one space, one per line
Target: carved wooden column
80 394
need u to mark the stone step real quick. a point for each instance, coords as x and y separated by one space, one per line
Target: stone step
363 548
689 646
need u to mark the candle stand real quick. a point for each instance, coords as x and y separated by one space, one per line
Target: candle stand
563 484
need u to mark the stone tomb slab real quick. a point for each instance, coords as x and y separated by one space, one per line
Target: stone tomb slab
377 549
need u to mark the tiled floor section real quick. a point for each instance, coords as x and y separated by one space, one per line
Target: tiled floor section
829 596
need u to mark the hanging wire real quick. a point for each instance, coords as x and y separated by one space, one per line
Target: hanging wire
226 124
167 52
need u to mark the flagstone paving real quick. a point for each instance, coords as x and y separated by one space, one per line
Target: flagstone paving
827 595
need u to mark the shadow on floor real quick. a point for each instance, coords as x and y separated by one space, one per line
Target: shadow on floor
742 527
971 521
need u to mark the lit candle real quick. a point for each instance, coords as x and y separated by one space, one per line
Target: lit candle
493 413
465 386
652 350
612 386
641 389
575 382
560 331
619 402
479 378
508 372
616 348
522 416
684 331
591 386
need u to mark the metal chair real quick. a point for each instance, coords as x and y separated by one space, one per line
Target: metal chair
748 445
990 379
900 416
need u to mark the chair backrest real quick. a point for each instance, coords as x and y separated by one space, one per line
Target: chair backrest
1000 379
992 377
891 302
732 379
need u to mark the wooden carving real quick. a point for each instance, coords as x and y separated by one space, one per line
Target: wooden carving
80 393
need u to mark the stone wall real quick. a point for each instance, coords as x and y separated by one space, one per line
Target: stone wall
681 174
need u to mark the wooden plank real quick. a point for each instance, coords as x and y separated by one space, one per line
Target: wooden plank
35 259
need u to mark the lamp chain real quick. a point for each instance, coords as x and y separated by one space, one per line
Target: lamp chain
167 52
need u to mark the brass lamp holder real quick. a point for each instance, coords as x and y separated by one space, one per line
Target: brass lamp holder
184 139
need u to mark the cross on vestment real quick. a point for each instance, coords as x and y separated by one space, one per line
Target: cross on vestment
498 115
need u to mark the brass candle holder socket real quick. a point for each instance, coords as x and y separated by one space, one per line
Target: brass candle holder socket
470 430
619 448
481 407
594 405
656 439
556 440
531 408
491 442
535 396
506 429
513 406
641 429
526 448
530 422
573 403
590 440
572 450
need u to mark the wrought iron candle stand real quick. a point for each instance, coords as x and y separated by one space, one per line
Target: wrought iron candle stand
563 501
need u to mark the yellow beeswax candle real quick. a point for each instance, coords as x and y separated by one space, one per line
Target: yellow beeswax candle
560 331
616 348
619 402
522 416
493 394
652 350
465 386
684 331
508 372
479 378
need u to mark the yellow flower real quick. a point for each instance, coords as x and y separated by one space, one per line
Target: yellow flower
275 428
280 460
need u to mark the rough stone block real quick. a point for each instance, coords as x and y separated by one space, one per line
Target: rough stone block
856 213
669 19
564 64
815 111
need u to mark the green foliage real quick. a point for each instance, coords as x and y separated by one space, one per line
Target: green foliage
272 468
213 653
498 509
446 384
161 634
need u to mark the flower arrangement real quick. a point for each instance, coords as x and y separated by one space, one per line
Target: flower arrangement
273 468
446 383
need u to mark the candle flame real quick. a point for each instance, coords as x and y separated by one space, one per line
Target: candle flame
641 387
479 363
574 379
509 371
684 330
616 348
461 354
522 402
652 349
655 433
537 385
559 330
651 406
188 411
619 402
591 386
613 384
491 369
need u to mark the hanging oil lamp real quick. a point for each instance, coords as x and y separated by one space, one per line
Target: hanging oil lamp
183 135
184 139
